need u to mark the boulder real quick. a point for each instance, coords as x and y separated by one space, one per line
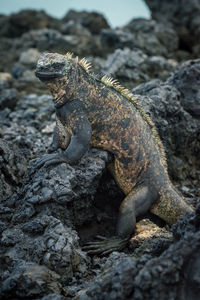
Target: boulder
29 57
183 15
40 238
187 81
53 41
18 23
151 37
178 129
12 166
134 66
93 21
174 274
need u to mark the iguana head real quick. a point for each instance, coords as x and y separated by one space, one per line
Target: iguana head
59 73
52 65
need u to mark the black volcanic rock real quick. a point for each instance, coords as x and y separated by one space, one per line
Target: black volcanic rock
187 80
48 214
13 165
93 21
18 23
40 238
151 37
175 274
184 16
178 129
134 66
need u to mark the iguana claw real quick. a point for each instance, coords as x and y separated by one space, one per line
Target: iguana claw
48 159
105 245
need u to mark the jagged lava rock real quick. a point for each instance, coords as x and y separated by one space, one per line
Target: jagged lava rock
187 81
134 66
40 233
8 95
151 37
178 129
13 165
183 15
93 21
172 275
18 23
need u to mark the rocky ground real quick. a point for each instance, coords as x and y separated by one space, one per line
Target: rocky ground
47 216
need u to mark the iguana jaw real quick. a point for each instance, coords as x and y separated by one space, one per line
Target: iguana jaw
45 76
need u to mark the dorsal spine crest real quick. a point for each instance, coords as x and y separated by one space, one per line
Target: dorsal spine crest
85 64
69 55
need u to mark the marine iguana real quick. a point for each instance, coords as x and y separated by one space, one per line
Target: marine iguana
92 112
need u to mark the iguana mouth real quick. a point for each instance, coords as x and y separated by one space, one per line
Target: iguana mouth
47 75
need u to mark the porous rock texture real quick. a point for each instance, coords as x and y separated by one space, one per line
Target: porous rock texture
183 16
47 215
174 107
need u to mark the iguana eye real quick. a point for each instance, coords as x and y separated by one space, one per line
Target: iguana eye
58 66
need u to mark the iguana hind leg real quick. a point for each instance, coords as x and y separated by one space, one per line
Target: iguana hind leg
170 205
136 202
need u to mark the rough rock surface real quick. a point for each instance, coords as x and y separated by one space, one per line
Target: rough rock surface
12 166
148 35
40 237
172 275
183 15
177 105
134 66
47 216
187 79
93 21
18 23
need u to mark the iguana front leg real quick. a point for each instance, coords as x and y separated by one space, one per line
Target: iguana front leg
78 144
61 137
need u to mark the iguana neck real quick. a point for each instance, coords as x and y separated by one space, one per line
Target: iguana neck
62 91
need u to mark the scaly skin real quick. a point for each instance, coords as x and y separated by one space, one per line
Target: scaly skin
90 113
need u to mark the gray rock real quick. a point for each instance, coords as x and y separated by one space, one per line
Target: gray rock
53 297
152 37
12 166
52 40
147 35
40 232
18 23
30 280
29 57
8 98
74 28
134 66
8 95
30 125
93 21
187 81
173 275
179 131
112 39
47 39
183 16
5 80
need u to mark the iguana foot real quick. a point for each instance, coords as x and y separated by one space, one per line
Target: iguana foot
49 159
105 245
